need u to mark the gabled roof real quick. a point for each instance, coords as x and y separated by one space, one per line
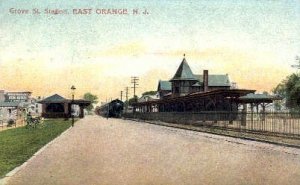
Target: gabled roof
53 98
9 104
215 80
164 86
261 98
184 72
148 98
59 99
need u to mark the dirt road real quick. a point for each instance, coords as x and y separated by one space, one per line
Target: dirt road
114 151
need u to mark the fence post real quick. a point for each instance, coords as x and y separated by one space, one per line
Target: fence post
244 115
230 118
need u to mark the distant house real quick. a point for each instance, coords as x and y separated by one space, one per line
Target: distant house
146 98
13 103
34 107
9 110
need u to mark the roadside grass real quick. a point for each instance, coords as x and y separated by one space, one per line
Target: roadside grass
19 144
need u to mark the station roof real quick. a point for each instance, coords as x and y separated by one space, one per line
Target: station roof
226 93
164 85
219 80
53 99
59 99
261 98
184 72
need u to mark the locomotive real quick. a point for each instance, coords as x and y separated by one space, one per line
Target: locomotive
111 109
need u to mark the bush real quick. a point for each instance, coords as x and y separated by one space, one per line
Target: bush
10 122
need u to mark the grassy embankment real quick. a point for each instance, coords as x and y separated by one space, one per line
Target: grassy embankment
19 144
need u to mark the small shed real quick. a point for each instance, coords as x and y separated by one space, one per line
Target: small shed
56 106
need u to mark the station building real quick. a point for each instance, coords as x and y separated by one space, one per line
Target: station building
189 92
56 106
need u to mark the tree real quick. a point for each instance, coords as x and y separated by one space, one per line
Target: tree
90 97
293 91
131 101
149 93
289 89
280 89
265 93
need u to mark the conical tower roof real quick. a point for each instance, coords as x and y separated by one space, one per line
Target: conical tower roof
184 72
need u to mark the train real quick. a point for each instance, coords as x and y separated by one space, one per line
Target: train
113 108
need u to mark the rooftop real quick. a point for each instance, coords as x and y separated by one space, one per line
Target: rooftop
164 85
184 72
53 98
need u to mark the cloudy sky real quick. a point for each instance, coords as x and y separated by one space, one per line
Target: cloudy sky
254 41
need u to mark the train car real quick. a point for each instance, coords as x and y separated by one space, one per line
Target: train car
111 109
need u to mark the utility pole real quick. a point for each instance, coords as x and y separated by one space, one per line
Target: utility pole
126 95
121 95
134 81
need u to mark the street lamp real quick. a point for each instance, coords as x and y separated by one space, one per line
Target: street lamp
72 107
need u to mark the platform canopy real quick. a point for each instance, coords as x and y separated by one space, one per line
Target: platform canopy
215 100
258 98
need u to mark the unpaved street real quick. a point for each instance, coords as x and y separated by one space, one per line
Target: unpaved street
114 151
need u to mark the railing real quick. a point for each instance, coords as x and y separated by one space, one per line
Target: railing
278 123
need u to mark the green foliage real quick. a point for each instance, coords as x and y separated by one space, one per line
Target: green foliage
293 91
10 122
90 97
149 93
265 93
280 89
19 144
131 101
290 90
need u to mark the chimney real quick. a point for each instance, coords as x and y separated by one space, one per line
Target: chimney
205 80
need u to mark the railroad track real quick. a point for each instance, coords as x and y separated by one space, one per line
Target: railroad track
265 137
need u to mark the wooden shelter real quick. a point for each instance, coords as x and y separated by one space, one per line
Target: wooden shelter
57 106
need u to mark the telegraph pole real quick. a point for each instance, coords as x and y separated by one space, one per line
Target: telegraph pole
126 95
134 81
121 95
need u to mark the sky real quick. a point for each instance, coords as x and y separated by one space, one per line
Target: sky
254 41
